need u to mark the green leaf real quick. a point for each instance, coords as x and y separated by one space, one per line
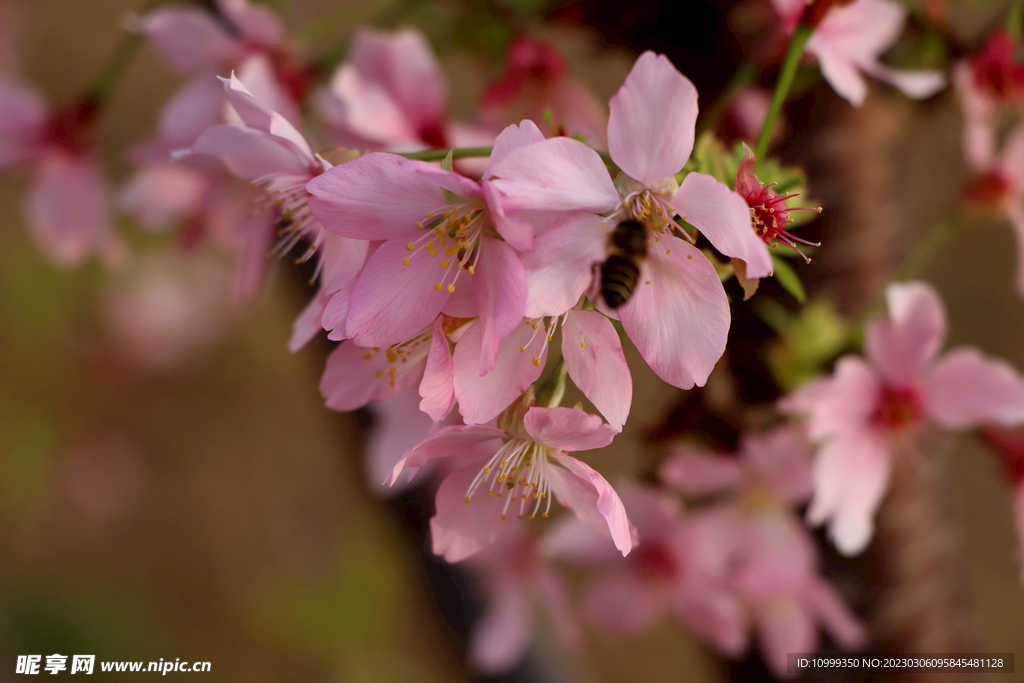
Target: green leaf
788 278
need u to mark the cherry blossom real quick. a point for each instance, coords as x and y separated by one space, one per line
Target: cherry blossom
666 573
521 470
849 41
871 410
650 136
516 578
772 559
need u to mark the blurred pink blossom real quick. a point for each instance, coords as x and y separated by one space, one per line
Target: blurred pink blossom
849 41
535 80
772 559
516 578
870 411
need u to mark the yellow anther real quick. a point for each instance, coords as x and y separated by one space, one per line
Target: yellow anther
544 515
391 373
689 256
487 469
380 373
368 355
411 246
428 215
405 261
467 500
471 271
451 288
503 516
536 361
583 345
444 264
530 517
668 251
490 494
392 356
520 516
438 286
533 325
522 349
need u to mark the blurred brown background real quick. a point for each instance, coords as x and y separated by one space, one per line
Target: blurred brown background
217 511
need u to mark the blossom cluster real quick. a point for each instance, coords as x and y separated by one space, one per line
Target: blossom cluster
468 270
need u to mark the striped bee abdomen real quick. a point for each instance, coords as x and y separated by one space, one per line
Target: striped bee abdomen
627 250
619 276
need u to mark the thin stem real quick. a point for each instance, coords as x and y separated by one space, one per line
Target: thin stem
119 61
796 49
439 154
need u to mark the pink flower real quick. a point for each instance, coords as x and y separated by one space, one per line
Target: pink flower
746 114
666 572
870 410
678 317
390 94
516 577
772 560
66 203
768 210
268 151
535 80
986 83
520 471
431 242
849 41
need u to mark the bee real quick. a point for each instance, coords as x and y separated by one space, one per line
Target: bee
627 251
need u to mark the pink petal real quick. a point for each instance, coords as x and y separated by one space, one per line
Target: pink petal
391 302
652 121
713 614
723 217
747 181
511 226
457 441
189 39
248 153
460 530
593 356
778 557
436 389
562 264
501 296
462 303
978 141
335 313
837 404
966 389
581 489
363 109
257 113
500 638
196 106
403 65
841 73
621 604
781 460
904 343
481 399
258 23
851 474
23 112
67 209
398 426
373 198
554 595
679 315
863 29
351 380
560 174
307 325
783 626
160 195
514 137
698 472
567 429
828 608
918 84
572 541
453 182
258 234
